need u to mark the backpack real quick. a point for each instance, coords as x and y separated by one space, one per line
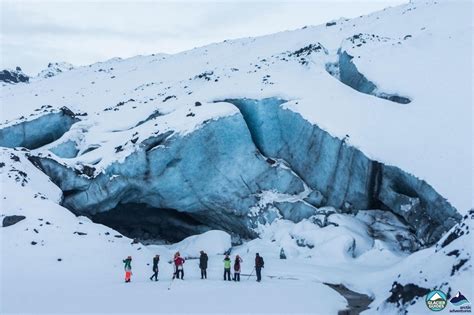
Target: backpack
261 261
128 265
237 265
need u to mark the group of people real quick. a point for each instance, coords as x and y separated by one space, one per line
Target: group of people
179 261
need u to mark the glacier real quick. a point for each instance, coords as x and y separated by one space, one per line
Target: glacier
199 175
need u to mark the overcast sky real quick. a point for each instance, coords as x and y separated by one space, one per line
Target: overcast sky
34 33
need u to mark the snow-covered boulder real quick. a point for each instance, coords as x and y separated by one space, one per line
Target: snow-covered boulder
341 238
212 243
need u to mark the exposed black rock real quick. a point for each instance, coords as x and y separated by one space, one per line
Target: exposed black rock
453 235
458 266
207 75
307 50
12 219
403 294
13 76
169 97
151 117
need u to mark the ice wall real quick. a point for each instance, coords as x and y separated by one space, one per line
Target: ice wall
38 131
346 71
345 177
214 174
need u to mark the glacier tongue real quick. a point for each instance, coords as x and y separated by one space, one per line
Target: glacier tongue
215 177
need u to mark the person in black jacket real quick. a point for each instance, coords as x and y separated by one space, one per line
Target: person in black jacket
156 260
203 264
258 266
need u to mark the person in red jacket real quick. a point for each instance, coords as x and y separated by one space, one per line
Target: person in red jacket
178 264
237 263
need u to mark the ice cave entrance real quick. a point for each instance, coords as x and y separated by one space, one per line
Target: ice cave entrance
150 225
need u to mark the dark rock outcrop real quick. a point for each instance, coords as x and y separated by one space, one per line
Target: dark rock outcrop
12 219
404 294
13 76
